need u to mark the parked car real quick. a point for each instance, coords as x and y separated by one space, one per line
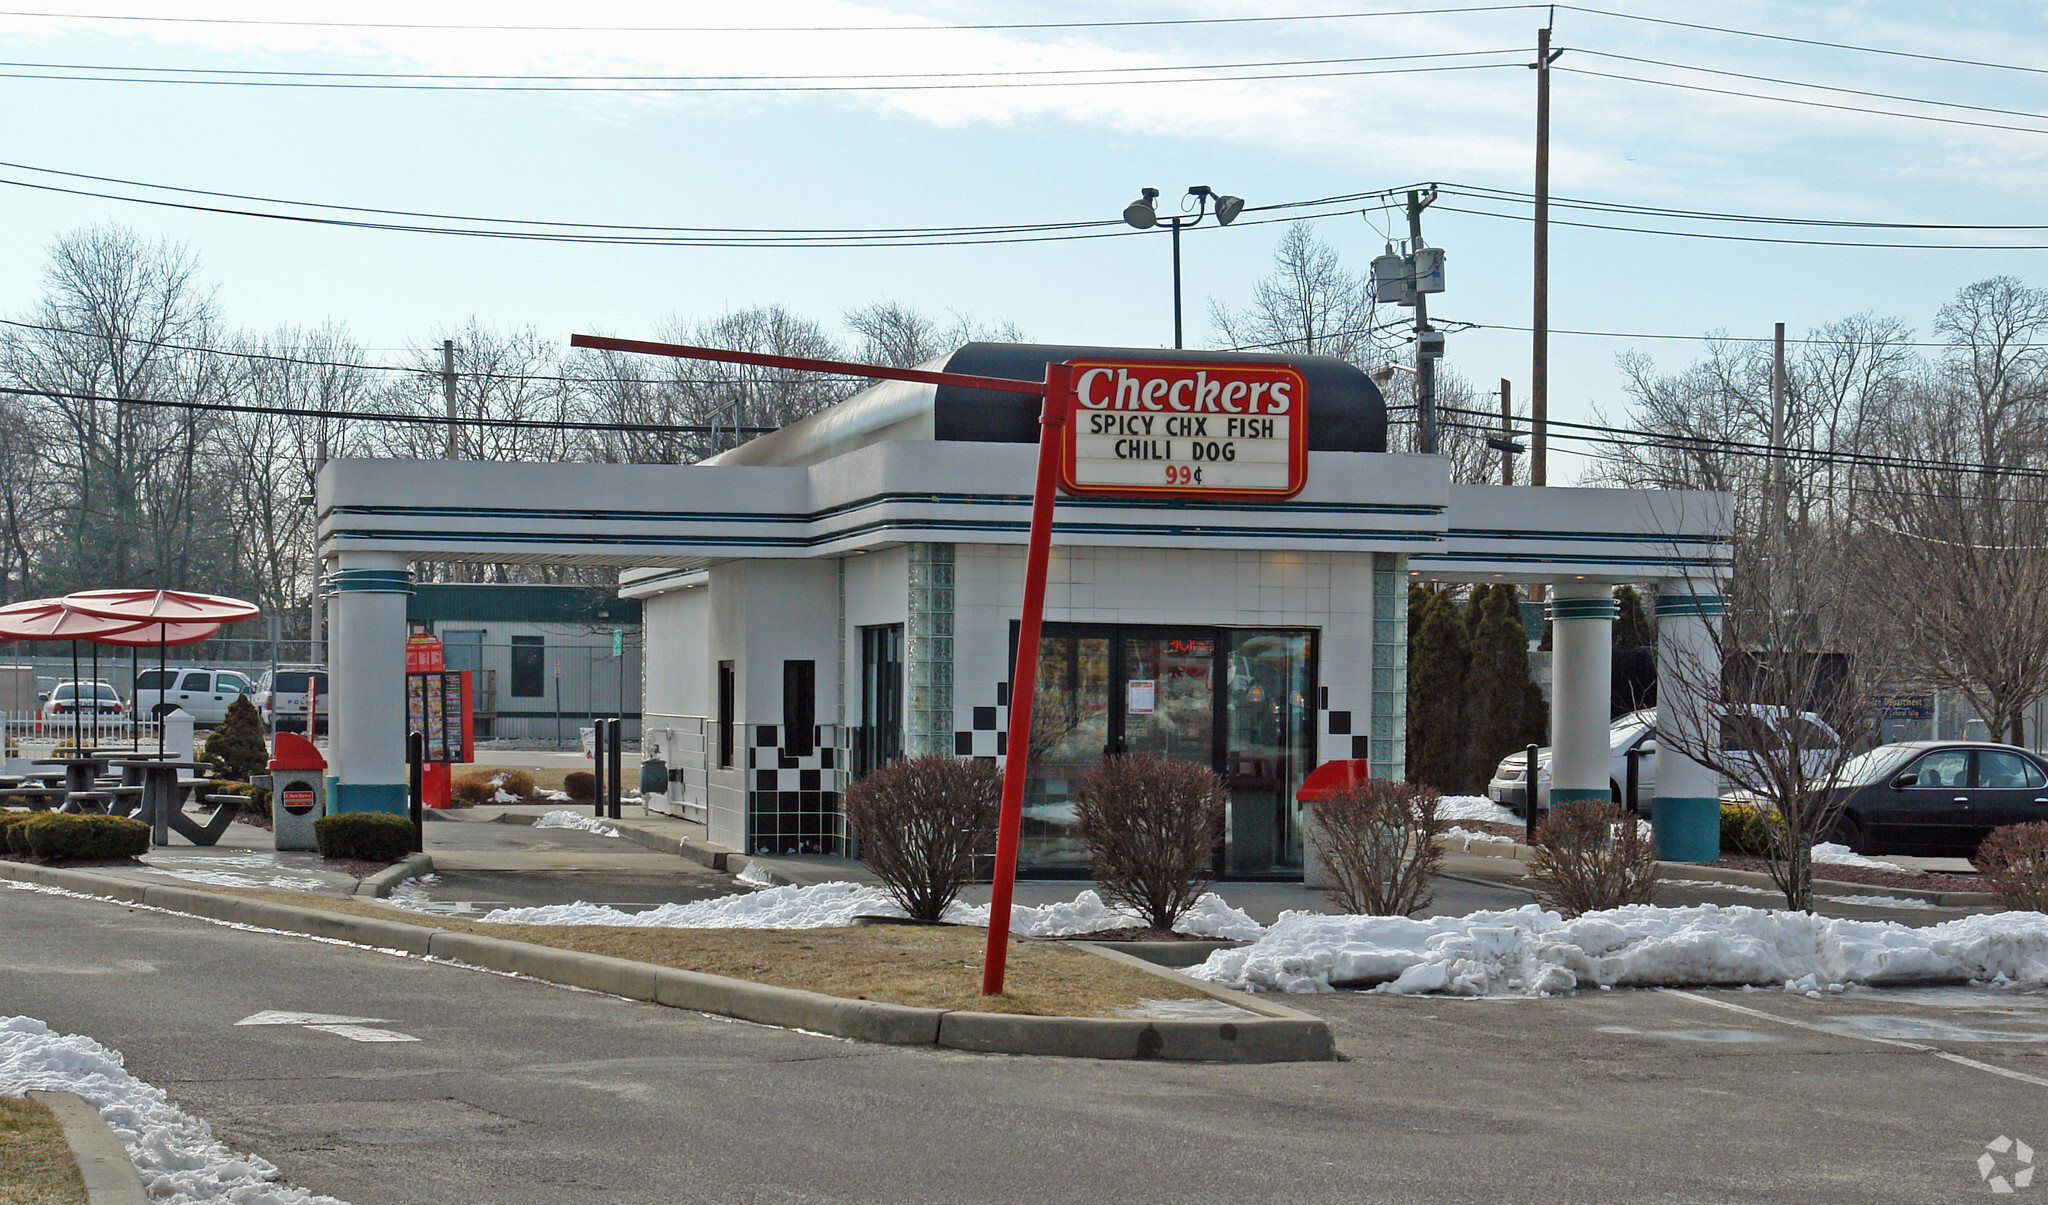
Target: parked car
280 696
82 698
1638 730
203 693
1937 798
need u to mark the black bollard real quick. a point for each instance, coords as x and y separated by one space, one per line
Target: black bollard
615 772
598 761
415 762
1635 771
1529 797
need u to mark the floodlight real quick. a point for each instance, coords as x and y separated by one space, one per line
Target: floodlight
1140 213
1227 209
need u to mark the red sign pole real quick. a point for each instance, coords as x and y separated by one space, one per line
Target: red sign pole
1053 418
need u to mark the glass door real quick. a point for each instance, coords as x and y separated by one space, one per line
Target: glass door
1070 730
1269 747
1168 688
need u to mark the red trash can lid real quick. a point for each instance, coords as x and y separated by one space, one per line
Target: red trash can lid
1332 776
290 751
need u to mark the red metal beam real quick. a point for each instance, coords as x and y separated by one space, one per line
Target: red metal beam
842 368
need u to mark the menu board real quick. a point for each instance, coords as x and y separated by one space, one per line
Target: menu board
434 708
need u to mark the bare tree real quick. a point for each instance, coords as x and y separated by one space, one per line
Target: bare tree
897 335
1789 652
1310 304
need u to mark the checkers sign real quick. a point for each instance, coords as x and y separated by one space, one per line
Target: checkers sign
1186 430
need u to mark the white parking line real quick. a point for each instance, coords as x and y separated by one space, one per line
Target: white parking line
355 1029
1958 1059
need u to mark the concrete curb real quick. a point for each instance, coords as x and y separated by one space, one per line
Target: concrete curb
103 1163
379 885
1272 1033
1693 872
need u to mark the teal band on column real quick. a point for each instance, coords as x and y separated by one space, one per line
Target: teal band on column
371 581
1575 794
1703 606
1584 608
1688 829
392 797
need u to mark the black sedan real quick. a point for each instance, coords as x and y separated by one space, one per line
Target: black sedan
1937 797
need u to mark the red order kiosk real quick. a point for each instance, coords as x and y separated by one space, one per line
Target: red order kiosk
437 705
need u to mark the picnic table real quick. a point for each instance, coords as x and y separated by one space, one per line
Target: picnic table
163 799
83 768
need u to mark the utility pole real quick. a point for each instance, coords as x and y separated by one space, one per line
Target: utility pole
448 389
1539 314
1425 359
1507 431
1778 502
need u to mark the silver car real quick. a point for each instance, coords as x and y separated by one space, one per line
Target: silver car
1638 730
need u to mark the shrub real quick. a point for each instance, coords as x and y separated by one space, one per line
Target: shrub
1749 829
580 784
2013 862
1152 825
237 748
472 788
515 782
924 824
363 836
1591 856
12 840
56 837
1378 840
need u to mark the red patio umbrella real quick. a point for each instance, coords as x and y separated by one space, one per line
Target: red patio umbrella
166 610
53 619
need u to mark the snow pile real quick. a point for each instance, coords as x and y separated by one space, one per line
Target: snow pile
575 820
1530 951
176 1154
826 905
1841 855
1474 807
754 875
1462 839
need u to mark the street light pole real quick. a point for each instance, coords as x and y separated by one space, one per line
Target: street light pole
1143 214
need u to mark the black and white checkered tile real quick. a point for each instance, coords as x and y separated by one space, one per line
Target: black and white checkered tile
988 731
793 796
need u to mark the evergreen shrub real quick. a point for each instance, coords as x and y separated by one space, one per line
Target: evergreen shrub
363 836
1749 829
236 749
57 837
12 842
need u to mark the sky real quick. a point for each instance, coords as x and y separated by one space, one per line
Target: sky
821 147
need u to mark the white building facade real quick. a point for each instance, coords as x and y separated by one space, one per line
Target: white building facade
846 590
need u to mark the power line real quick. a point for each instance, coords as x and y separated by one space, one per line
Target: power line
1777 37
1714 338
1777 240
233 73
382 416
932 27
736 88
1483 192
1811 104
1792 83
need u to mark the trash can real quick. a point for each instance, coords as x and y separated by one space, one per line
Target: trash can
298 790
1322 782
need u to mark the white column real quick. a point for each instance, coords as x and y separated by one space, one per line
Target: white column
1686 811
1581 683
367 738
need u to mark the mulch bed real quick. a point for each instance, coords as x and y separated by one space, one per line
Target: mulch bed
1131 933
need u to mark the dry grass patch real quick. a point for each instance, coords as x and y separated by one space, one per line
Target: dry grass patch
936 966
36 1167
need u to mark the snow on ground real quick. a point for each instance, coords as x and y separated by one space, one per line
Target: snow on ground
575 820
1841 855
1463 839
175 1153
1530 951
826 905
1474 807
753 875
